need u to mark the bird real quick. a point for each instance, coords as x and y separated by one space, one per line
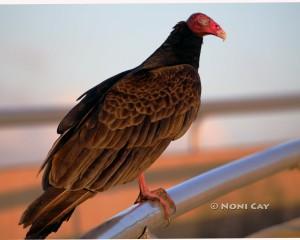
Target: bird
121 126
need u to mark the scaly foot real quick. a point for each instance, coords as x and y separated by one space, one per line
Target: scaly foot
160 195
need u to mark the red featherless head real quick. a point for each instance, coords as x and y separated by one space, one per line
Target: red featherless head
201 25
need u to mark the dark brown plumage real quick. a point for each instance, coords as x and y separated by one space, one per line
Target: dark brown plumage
118 129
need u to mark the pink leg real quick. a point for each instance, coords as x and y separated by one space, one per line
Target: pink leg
159 195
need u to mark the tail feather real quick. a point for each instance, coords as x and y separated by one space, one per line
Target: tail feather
50 210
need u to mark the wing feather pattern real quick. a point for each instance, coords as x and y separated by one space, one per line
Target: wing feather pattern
138 118
87 103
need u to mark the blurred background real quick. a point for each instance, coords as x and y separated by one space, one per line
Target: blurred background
51 54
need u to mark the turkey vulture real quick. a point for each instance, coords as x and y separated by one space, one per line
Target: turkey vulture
121 126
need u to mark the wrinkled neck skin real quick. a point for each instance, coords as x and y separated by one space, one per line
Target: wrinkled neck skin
181 47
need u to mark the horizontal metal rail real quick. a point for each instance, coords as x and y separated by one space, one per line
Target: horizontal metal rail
46 115
251 104
32 116
204 188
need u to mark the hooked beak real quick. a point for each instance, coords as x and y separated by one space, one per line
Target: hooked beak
221 34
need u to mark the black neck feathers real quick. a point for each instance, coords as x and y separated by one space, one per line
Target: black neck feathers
181 47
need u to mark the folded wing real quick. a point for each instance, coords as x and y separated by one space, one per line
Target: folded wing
138 118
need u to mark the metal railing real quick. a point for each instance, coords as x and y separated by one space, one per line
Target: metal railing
247 105
192 193
46 115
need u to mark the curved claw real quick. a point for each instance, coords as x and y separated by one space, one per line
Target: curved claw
159 195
